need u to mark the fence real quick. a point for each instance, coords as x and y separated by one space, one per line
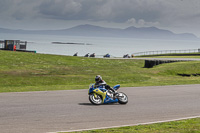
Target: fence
166 52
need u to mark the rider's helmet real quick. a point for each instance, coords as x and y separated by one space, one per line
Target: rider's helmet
98 78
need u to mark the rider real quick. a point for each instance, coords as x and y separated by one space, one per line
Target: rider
100 82
76 54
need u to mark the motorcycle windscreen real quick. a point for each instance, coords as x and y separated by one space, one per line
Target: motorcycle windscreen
116 87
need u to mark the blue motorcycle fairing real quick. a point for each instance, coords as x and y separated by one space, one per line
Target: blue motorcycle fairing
93 88
116 87
110 100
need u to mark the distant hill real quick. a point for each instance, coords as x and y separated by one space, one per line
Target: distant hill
97 31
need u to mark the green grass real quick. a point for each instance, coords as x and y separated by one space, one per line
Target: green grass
39 72
183 126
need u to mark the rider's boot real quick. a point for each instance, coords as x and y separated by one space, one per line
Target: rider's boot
115 93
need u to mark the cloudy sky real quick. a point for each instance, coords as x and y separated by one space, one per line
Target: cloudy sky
178 16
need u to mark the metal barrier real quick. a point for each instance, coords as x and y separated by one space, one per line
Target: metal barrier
166 52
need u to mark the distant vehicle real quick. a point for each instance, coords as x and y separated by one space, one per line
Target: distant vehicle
87 55
92 55
76 54
106 56
126 56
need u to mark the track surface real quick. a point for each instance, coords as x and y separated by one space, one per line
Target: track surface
36 112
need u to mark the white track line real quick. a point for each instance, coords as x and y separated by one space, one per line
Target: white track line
147 123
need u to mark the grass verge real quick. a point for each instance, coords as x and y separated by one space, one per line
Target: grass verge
40 72
183 126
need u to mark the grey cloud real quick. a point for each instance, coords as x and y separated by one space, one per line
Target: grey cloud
165 13
97 10
110 10
18 9
60 9
4 4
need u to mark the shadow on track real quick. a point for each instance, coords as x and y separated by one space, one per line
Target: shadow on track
90 104
86 104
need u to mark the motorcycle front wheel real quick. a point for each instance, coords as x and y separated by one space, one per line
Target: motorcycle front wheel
95 99
122 98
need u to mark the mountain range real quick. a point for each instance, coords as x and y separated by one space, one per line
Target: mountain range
97 31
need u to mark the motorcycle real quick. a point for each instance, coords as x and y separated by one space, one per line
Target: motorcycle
100 95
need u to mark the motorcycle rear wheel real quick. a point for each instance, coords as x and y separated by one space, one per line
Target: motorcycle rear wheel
95 100
122 98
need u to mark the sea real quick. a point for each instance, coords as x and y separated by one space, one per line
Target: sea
116 47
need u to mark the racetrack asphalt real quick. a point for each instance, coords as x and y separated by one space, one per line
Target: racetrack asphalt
52 111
